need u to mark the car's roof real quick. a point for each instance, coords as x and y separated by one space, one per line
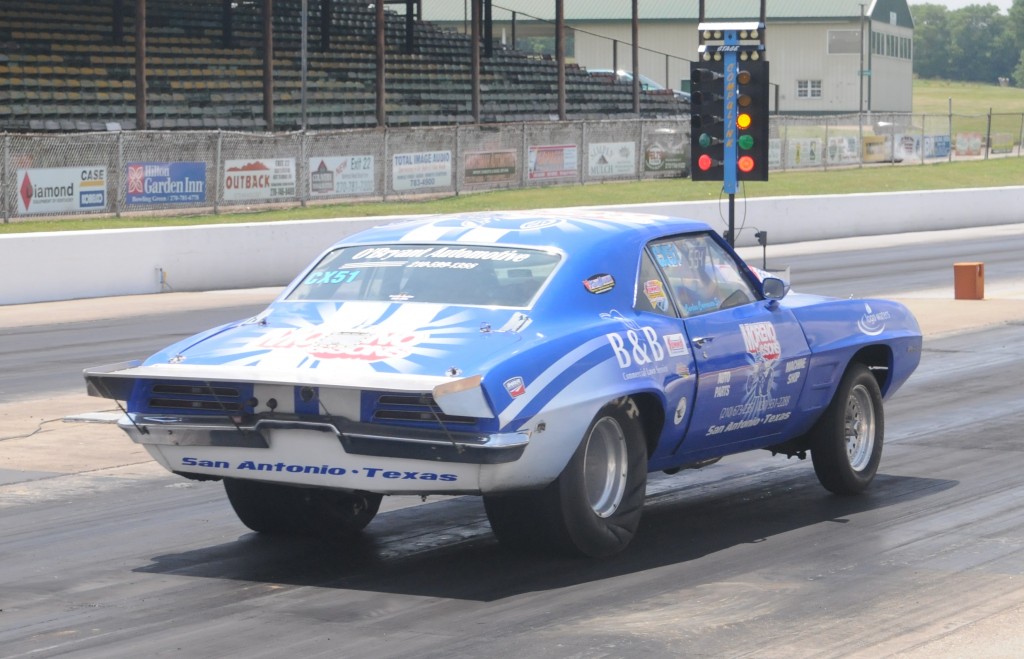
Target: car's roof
569 230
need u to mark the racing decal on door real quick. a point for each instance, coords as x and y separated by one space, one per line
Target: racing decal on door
763 352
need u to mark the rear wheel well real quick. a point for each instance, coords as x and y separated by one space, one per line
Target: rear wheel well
652 418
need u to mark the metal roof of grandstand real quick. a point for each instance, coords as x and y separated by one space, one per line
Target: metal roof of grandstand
607 10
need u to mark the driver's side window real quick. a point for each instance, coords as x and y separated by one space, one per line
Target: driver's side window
702 277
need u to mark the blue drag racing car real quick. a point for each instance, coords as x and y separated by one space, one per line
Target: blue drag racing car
546 360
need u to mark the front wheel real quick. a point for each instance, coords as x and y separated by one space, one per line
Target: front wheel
277 509
593 508
847 441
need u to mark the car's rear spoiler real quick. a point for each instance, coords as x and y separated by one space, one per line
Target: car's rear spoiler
461 397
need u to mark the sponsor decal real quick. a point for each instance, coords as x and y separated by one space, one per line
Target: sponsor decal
667 255
675 344
601 283
761 341
515 387
373 347
643 348
763 352
388 253
655 294
873 323
700 307
638 352
794 369
361 346
539 224
350 473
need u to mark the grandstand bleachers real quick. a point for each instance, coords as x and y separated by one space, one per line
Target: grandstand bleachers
61 70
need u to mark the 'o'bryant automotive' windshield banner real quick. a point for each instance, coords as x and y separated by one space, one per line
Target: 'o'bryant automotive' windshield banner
246 180
61 189
166 182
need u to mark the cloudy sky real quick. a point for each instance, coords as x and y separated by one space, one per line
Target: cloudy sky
957 4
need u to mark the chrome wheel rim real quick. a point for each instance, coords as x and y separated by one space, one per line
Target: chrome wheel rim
859 429
604 467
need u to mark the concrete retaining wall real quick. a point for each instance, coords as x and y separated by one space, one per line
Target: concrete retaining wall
43 267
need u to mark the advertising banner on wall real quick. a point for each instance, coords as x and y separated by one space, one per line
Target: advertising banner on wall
490 166
1002 143
936 146
418 171
552 161
61 190
666 150
968 144
843 151
247 180
876 148
341 175
611 159
803 152
166 183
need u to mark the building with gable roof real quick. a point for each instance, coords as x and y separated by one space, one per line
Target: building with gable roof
827 57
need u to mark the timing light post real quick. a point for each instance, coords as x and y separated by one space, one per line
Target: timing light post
729 106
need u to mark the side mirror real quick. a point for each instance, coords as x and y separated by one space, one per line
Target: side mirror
774 288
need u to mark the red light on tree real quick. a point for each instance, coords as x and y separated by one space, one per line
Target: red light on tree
745 164
704 163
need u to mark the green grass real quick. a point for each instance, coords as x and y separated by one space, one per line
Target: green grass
933 97
929 97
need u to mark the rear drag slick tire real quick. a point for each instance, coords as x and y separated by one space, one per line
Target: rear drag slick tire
593 508
277 509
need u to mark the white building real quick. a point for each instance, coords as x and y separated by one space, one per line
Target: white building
818 50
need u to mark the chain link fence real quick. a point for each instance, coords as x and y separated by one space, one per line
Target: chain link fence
71 175
801 142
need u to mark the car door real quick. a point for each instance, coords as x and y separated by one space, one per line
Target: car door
658 315
749 353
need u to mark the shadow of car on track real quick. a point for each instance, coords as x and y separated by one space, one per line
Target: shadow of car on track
448 551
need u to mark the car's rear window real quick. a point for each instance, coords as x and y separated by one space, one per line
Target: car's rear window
445 274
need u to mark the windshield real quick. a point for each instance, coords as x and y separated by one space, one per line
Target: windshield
445 274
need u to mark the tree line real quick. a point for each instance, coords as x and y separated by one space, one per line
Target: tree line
975 43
